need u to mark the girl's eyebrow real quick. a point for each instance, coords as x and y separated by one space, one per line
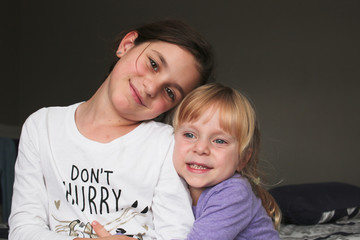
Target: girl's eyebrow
161 57
179 88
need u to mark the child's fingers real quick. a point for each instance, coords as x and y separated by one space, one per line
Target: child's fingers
99 229
113 237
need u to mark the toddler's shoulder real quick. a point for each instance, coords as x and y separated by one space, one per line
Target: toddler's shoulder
236 186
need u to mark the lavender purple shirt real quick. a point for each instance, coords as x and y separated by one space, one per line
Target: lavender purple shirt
230 210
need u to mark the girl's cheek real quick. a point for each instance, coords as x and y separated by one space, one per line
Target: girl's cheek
141 66
163 105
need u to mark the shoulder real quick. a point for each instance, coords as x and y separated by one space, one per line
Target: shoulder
43 116
158 126
236 184
233 196
157 138
233 191
56 110
158 129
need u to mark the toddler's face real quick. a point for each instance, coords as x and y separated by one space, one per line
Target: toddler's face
204 153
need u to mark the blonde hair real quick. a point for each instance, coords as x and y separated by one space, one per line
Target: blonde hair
238 118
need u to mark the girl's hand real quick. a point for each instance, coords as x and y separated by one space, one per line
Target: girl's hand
112 237
100 230
104 234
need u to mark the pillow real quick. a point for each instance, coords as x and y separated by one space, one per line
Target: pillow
314 203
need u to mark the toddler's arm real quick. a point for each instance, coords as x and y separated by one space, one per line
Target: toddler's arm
224 213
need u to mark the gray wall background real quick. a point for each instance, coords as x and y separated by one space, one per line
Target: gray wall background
298 61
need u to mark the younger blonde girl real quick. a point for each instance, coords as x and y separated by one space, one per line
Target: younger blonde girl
216 151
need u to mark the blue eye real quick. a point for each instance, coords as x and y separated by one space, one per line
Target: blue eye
154 65
170 93
220 141
189 135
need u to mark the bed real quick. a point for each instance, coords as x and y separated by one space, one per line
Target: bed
348 229
317 211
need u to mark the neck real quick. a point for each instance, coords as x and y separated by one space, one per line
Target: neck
97 119
195 194
100 110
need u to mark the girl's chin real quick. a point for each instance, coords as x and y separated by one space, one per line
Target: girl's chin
196 184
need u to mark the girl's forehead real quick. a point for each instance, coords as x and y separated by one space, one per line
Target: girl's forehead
163 45
224 117
209 119
204 115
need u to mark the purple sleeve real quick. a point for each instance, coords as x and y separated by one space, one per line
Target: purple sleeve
231 211
226 210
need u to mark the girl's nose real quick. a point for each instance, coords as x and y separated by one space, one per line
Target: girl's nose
201 147
150 87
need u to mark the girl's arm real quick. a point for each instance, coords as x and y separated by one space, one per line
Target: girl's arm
226 208
29 213
173 217
225 211
229 209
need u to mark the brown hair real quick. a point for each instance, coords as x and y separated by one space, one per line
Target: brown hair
238 118
179 33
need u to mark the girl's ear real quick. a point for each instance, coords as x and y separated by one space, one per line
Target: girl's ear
126 43
245 159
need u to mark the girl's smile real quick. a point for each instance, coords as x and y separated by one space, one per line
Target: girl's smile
136 95
204 153
197 168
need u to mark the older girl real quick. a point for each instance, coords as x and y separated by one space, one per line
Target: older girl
103 159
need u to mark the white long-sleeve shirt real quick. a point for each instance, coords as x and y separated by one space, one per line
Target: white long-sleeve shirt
64 181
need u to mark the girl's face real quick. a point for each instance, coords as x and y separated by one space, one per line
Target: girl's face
204 153
150 79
